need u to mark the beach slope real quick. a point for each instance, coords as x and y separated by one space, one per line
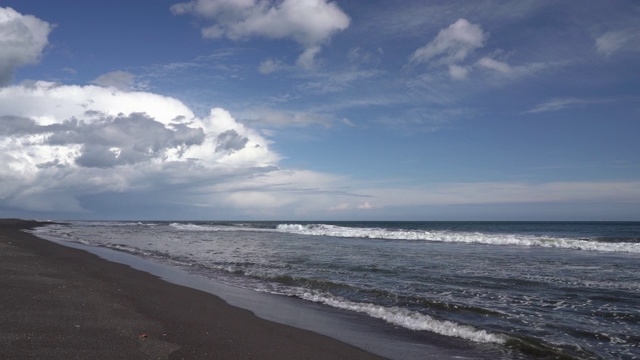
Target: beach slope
62 303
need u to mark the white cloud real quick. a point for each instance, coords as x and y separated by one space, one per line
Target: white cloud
366 206
415 16
257 200
22 39
310 23
297 192
507 193
255 152
500 72
458 72
280 118
269 66
359 56
313 195
452 45
328 82
492 64
49 103
307 60
347 122
348 206
214 8
118 79
564 103
615 41
59 143
340 207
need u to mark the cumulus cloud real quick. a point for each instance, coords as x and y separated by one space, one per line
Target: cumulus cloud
48 102
59 143
22 39
121 140
621 40
311 23
106 142
62 147
230 141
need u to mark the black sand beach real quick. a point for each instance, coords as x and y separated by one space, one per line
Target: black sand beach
63 303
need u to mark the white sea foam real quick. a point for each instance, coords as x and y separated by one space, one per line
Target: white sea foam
192 227
202 228
214 228
458 237
128 249
409 319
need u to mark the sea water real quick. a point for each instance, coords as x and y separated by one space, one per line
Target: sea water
541 289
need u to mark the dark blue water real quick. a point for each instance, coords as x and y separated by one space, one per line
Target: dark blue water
551 289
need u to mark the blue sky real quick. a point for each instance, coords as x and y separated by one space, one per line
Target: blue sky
313 109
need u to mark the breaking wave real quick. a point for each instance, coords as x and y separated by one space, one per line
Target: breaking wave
409 319
459 237
212 228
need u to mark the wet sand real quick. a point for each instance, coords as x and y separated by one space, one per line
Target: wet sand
62 303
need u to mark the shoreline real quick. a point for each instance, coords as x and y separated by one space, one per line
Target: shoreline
63 302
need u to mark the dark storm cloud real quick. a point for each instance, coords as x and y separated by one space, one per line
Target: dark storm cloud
230 141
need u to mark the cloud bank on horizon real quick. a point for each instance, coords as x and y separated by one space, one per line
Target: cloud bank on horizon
434 113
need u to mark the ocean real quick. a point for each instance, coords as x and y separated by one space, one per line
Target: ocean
547 290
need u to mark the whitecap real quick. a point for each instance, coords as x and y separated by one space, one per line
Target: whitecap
459 237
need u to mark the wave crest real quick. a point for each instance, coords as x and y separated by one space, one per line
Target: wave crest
459 237
410 319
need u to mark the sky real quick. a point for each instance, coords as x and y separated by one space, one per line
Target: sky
320 110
